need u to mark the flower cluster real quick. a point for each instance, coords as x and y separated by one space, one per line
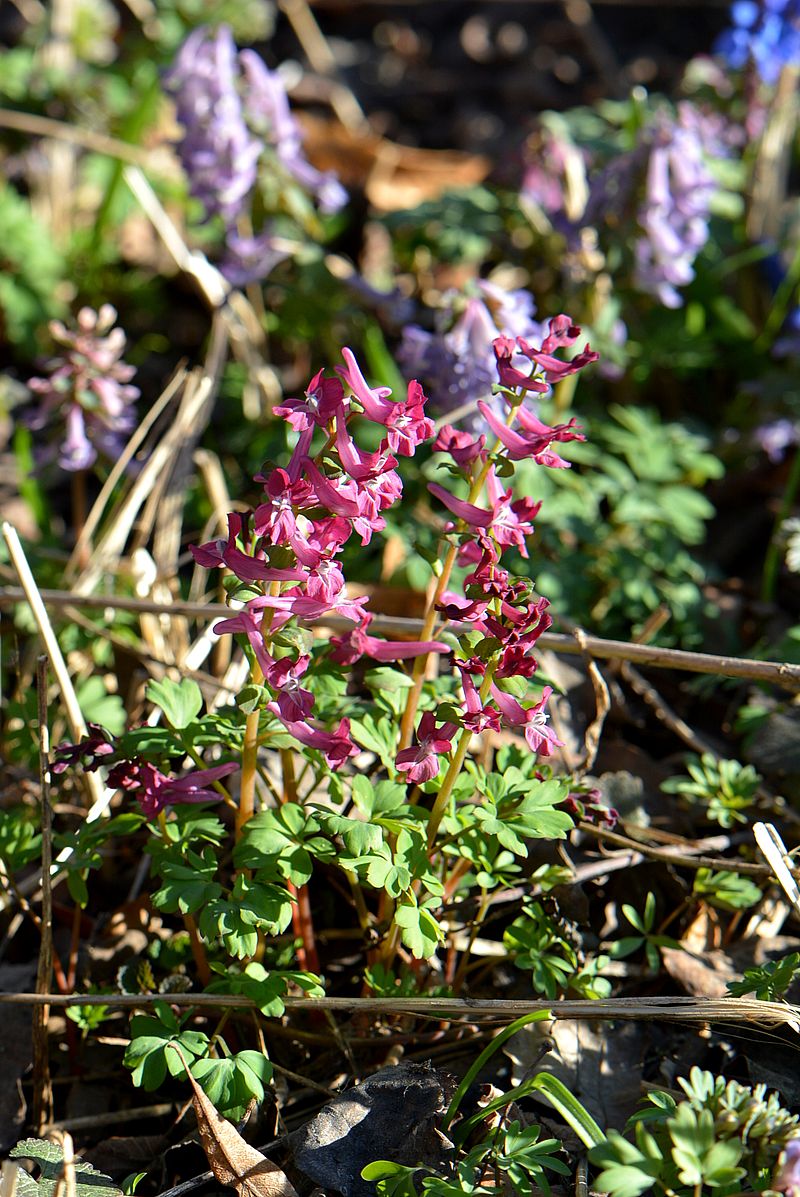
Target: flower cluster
88 388
285 558
675 211
234 110
289 547
456 362
766 32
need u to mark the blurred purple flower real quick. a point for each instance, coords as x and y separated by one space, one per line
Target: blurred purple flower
776 437
456 364
766 33
787 1177
231 107
675 212
268 114
217 150
87 389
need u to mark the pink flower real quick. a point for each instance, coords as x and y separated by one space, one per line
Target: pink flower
535 441
247 567
373 400
421 762
504 350
153 790
511 522
478 717
336 746
407 425
357 463
294 703
276 518
358 643
88 753
541 738
461 445
324 399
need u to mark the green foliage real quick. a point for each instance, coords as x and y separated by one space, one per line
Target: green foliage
725 789
148 1054
724 1136
31 269
647 938
232 1082
539 942
629 511
769 981
728 891
48 1160
181 701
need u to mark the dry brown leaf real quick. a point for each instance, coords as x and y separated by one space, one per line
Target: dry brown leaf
233 1161
393 176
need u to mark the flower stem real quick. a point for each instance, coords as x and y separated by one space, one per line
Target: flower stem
302 922
456 764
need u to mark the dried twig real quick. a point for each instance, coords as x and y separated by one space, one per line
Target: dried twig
42 1088
663 711
778 672
671 1009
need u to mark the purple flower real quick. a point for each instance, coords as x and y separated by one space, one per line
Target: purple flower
456 363
776 437
154 791
540 736
268 113
675 212
88 389
217 150
787 1177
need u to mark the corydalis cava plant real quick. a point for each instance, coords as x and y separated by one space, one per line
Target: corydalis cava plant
237 122
87 392
285 565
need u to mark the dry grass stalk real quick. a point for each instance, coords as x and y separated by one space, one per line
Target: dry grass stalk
643 1009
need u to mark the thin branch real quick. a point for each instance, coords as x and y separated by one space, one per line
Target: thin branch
675 1009
98 143
779 672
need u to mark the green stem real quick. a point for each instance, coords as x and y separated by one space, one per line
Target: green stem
456 764
420 663
772 559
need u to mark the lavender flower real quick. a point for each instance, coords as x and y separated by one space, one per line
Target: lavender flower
217 151
88 388
766 33
457 364
787 1177
674 215
776 437
233 108
268 113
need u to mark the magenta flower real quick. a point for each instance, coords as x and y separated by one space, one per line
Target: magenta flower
276 518
247 567
504 350
358 643
324 400
90 753
407 425
476 517
377 407
154 791
293 702
356 463
533 720
477 717
420 762
461 445
534 442
336 746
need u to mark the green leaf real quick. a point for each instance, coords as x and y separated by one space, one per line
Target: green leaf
419 930
147 1054
181 701
232 1082
49 1159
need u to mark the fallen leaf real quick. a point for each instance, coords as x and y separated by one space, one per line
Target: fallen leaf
233 1161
